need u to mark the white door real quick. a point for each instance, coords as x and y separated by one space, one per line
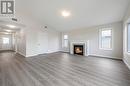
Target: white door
6 42
42 42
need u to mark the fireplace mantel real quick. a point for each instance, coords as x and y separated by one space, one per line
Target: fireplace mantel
85 44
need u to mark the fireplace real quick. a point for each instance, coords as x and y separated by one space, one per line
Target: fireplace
78 49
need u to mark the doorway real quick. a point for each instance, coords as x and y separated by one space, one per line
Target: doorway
6 41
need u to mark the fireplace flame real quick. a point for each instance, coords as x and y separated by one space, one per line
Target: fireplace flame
78 50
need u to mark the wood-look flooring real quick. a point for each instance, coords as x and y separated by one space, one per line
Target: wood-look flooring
61 69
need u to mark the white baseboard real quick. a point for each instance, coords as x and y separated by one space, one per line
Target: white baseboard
126 63
53 51
106 57
32 55
21 54
49 52
65 51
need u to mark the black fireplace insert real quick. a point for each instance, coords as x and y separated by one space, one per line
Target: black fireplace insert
79 49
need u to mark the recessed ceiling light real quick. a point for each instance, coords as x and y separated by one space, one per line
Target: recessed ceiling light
11 26
6 33
8 30
65 13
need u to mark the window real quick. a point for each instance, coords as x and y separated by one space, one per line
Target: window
105 39
128 47
65 41
5 40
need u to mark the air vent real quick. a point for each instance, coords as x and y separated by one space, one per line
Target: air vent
14 19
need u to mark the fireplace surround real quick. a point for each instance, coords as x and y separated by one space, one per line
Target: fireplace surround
79 48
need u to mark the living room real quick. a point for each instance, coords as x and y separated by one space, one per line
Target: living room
65 42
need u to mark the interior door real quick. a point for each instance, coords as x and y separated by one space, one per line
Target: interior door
42 42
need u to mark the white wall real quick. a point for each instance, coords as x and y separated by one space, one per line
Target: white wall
92 34
53 41
34 38
41 41
126 54
20 41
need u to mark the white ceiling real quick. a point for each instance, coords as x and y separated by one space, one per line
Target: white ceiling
84 13
4 27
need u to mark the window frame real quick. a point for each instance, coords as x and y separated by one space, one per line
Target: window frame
127 38
100 38
64 41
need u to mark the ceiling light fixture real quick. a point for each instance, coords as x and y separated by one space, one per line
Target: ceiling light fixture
11 26
6 33
8 30
65 13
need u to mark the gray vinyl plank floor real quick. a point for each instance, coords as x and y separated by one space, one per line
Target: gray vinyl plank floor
61 69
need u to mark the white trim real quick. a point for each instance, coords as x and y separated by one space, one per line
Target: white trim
21 54
32 55
52 52
64 51
126 63
49 52
106 56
